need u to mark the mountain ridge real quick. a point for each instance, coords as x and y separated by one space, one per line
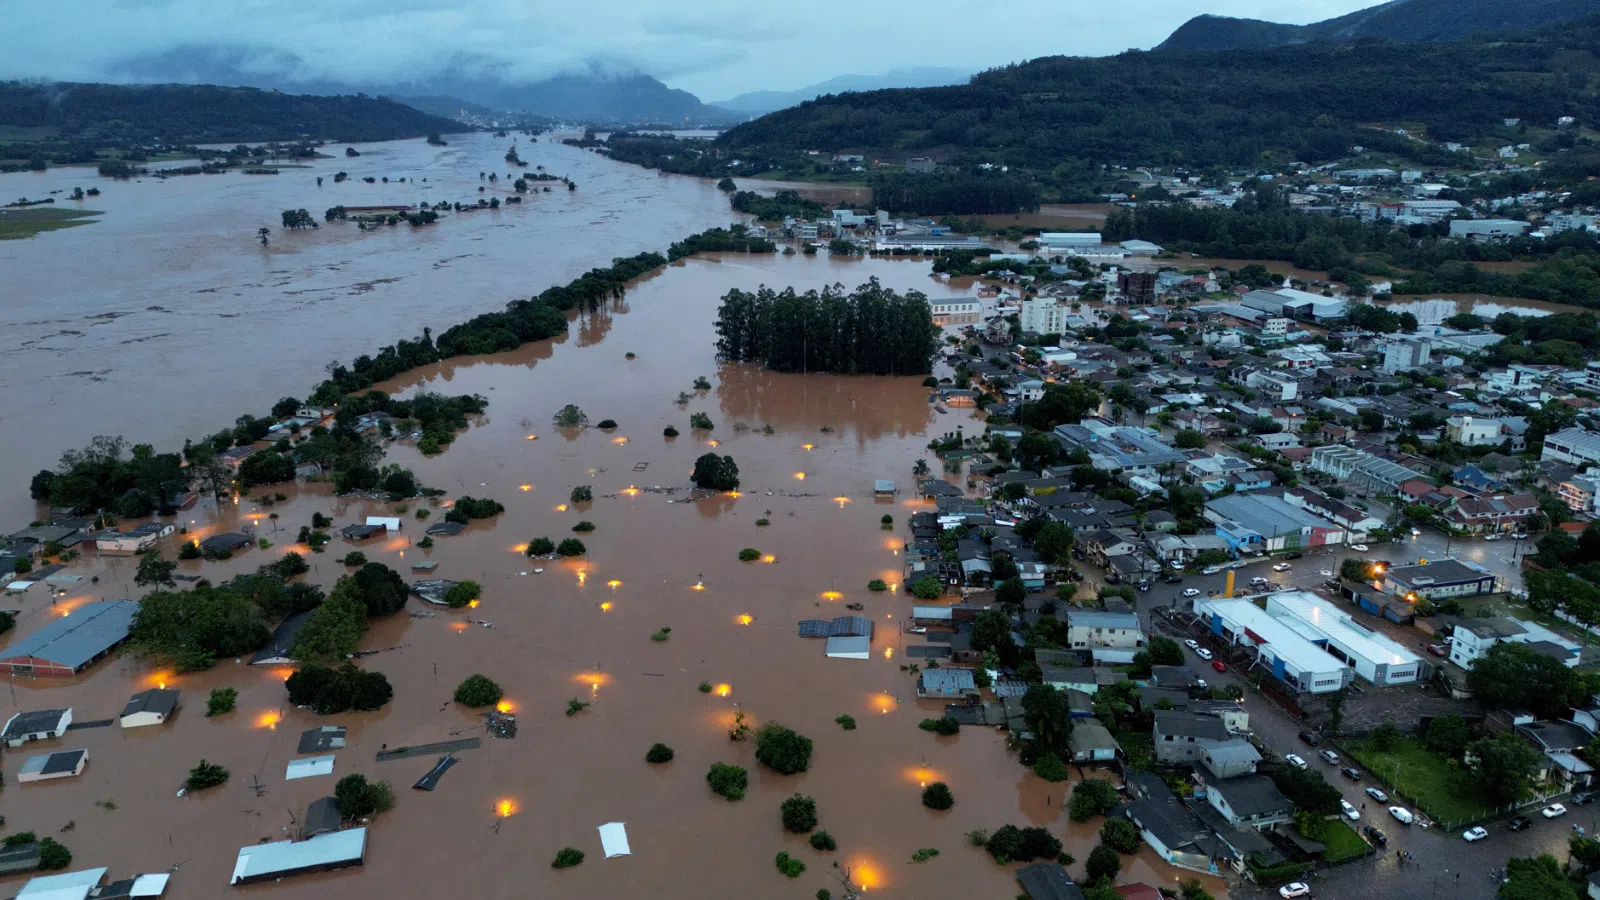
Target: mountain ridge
1404 21
762 102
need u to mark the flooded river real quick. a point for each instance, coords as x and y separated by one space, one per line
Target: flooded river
239 327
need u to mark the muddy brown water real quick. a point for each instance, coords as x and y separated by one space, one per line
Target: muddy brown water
578 629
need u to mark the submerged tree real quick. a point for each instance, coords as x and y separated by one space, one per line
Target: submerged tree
870 330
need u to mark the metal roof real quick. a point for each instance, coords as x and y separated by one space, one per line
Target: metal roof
1251 622
34 722
282 640
849 647
947 681
1048 881
71 886
1336 626
1438 573
74 640
156 700
261 861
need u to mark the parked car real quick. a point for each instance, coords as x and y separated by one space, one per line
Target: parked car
1295 761
1579 798
1294 889
1350 773
1311 738
1487 537
1258 580
1173 579
1192 644
1553 810
1520 536
1377 837
1191 592
1329 757
1219 665
1438 650
1377 795
1203 653
1359 548
1211 570
1295 555
1281 567
1474 834
1519 823
1402 815
1350 812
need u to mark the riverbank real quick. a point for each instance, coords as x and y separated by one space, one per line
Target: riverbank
18 224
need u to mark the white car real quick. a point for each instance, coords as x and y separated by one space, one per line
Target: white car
1520 536
1474 834
1359 548
1191 592
1492 537
1553 810
1295 761
1294 889
1211 570
1377 795
1416 532
1350 812
1327 573
1203 653
1402 814
1192 644
1281 567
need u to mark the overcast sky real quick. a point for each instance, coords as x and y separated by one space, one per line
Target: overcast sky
715 48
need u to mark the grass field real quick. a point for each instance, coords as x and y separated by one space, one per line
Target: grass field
16 224
1343 842
1438 786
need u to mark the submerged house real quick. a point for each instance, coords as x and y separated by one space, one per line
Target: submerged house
267 862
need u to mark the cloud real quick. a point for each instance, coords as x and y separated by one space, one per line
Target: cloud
713 47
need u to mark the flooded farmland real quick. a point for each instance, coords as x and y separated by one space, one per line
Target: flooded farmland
578 629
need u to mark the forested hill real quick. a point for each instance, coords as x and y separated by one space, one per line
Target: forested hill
198 114
1309 103
1409 21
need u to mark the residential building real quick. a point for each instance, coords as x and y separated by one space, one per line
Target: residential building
1580 492
1405 353
70 643
1255 523
946 683
1183 737
1474 637
1275 384
1088 628
1572 445
37 725
277 652
1375 657
1230 759
1496 513
1116 448
1091 742
149 707
956 310
1281 650
1043 315
1472 431
1137 287
921 165
50 766
1361 469
1048 881
1438 579
1249 801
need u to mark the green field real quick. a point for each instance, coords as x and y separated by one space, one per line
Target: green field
25 223
1438 786
1343 842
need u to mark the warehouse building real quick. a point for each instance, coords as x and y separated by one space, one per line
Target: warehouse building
1291 657
336 850
1374 656
69 644
1439 578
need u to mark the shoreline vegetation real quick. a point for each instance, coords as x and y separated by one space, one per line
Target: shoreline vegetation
101 477
17 224
871 330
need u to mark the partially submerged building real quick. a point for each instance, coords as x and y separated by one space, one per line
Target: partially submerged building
277 652
69 644
69 886
323 816
50 766
37 725
151 707
325 852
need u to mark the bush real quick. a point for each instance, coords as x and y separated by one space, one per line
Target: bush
541 546
205 775
1120 835
701 422
945 725
359 798
190 550
728 782
478 690
749 554
661 634
571 547
221 701
583 527
877 584
927 588
465 509
704 687
799 814
1091 797
669 431
848 723
53 856
762 523
823 841
1051 768
607 423
782 750
353 558
1103 862
462 594
926 853
790 866
567 858
582 494
575 706
938 796
569 416
658 753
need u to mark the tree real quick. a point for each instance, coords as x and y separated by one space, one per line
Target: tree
541 546
1384 737
1536 878
1307 789
1189 439
53 856
1011 592
1091 797
1103 862
191 629
1164 651
569 416
1054 542
1369 420
1356 570
799 814
938 796
1211 557
1120 835
782 749
1504 766
478 690
1512 676
927 588
728 781
1044 709
205 775
359 798
566 858
221 701
329 691
658 753
1585 852
154 569
462 594
1447 736
716 473
571 547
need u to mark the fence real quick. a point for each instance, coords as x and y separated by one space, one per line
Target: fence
1448 824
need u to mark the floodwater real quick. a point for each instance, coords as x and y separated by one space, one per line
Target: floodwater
580 629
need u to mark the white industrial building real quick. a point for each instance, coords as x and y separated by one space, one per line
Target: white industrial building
1374 656
1572 445
1487 229
1290 656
